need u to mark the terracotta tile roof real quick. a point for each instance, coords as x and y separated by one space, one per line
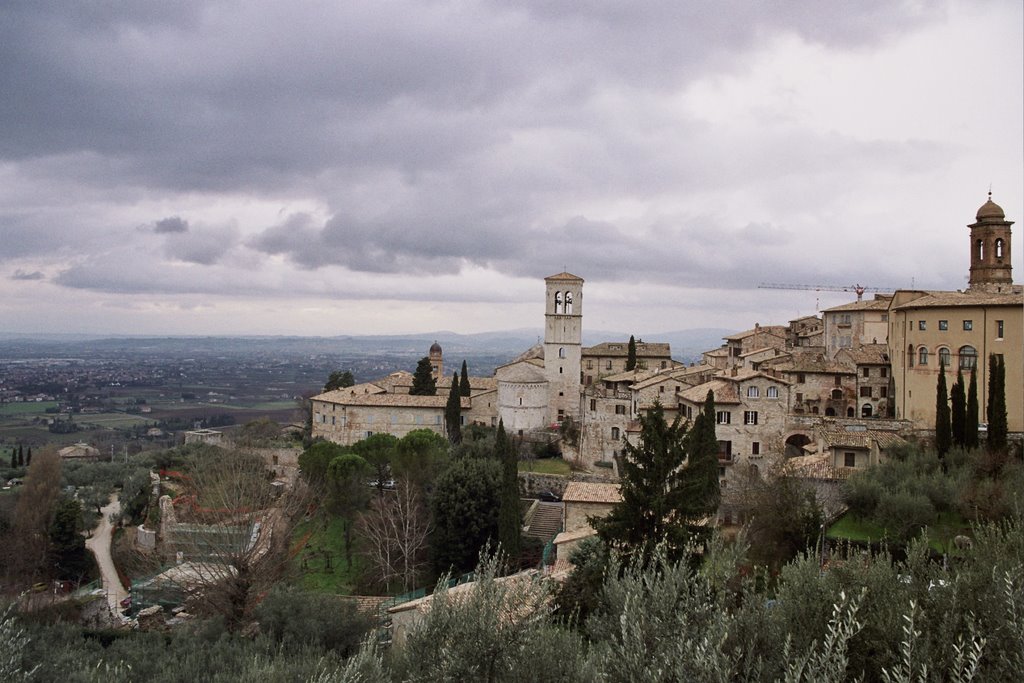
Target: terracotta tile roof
358 390
879 303
564 276
812 361
868 354
945 299
844 438
818 466
773 330
587 492
522 371
725 392
621 349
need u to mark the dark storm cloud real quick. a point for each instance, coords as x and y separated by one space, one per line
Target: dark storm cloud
172 224
218 95
22 275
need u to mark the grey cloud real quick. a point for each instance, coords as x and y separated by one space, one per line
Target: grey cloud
172 224
203 247
188 99
23 275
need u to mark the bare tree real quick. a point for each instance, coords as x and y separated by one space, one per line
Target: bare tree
395 532
230 534
29 538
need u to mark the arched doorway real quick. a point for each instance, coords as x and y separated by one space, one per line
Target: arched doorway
795 445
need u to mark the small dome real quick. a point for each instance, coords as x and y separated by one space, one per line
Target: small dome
991 210
435 349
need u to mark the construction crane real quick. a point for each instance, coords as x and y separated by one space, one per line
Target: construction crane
859 289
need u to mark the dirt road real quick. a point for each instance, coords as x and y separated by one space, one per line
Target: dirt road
99 544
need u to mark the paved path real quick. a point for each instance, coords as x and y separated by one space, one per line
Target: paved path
99 544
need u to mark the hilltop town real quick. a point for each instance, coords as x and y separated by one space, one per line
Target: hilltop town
828 395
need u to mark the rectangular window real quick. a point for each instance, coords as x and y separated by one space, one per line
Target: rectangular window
883 392
723 417
943 325
799 397
661 389
849 459
884 372
921 325
866 372
755 448
865 392
839 380
800 377
593 404
968 325
615 432
620 410
999 329
590 365
750 417
664 364
608 365
725 450
332 419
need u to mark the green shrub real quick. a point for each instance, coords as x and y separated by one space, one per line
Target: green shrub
903 513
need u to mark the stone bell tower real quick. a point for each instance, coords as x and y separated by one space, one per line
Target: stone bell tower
563 344
990 250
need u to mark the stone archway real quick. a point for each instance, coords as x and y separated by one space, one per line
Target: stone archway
795 444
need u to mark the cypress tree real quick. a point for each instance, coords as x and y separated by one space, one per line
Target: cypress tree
464 388
958 417
21 455
943 428
14 458
703 493
971 412
423 382
631 354
509 516
453 412
997 426
669 485
28 457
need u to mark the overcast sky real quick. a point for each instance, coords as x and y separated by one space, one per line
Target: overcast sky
322 168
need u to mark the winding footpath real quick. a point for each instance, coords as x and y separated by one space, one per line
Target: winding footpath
99 544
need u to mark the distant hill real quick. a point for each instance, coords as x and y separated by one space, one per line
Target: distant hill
486 349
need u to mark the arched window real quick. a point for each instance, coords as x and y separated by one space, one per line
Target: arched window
753 392
944 357
558 303
615 432
814 410
981 250
865 410
829 412
999 248
922 355
773 392
837 394
561 352
568 303
968 357
849 412
910 355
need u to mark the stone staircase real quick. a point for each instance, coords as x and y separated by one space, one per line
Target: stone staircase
546 521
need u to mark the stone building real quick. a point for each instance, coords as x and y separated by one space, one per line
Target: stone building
960 330
609 358
856 324
873 378
563 345
750 417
